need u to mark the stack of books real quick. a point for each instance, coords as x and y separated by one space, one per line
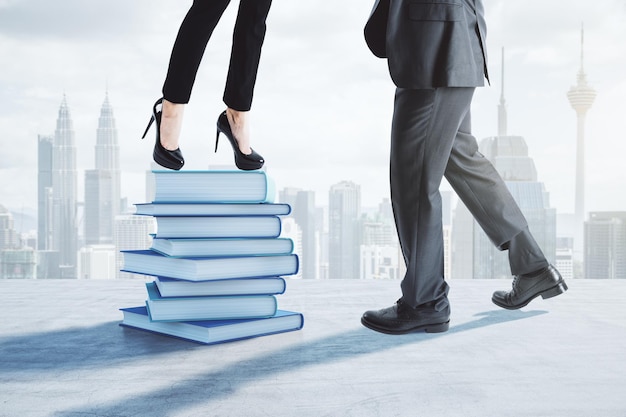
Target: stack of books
217 258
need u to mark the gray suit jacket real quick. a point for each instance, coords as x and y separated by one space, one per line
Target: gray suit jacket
430 43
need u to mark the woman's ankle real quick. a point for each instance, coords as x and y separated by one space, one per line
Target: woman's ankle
171 124
238 121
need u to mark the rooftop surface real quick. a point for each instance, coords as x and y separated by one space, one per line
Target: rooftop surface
62 353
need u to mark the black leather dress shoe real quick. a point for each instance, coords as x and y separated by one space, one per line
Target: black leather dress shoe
546 283
401 319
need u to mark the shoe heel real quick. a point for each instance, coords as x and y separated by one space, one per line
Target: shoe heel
148 128
217 136
438 328
553 292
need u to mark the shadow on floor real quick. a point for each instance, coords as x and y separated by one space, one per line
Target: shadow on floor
79 348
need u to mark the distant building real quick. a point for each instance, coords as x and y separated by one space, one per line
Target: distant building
102 184
97 262
131 233
605 245
565 263
343 230
99 211
464 228
304 214
44 192
446 217
379 251
64 230
581 98
321 221
447 251
9 238
379 262
48 264
291 230
18 263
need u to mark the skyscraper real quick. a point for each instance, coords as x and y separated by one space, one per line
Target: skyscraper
581 97
99 218
8 236
65 234
605 245
343 230
44 192
102 184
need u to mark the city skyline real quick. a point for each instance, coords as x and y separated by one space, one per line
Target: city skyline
313 90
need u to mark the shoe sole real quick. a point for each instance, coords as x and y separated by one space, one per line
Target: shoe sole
558 289
166 163
428 328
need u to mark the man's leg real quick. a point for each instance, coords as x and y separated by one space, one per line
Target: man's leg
480 187
486 195
425 123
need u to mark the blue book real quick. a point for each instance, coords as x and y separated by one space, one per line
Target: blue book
211 209
208 308
170 287
222 247
213 187
214 331
147 262
218 227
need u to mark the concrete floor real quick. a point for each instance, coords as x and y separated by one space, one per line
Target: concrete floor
63 354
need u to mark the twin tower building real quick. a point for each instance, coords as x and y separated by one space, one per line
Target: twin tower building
60 215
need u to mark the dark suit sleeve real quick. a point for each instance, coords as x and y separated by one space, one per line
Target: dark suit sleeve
376 28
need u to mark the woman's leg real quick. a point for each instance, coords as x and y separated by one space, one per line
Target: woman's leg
193 36
248 37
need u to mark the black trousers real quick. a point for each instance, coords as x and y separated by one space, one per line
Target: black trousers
193 36
431 137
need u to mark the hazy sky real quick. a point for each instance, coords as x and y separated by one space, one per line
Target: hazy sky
323 103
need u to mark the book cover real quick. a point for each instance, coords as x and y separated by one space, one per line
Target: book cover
211 209
149 262
215 331
170 287
207 308
222 247
218 227
213 187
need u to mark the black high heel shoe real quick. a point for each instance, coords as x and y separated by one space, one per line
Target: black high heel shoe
164 157
243 161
